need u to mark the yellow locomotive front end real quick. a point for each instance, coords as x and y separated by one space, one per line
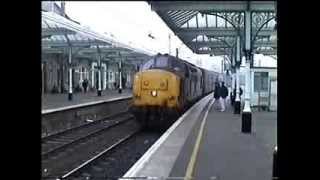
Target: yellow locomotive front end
156 88
157 98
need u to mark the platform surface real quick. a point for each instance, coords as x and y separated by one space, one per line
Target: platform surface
54 101
227 154
160 158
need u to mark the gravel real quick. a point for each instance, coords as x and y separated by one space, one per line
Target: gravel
117 162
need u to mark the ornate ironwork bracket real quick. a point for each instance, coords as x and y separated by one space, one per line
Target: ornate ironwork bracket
259 20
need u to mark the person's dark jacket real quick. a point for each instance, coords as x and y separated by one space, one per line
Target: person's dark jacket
85 83
224 92
216 94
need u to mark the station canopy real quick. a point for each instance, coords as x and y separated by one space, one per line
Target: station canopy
59 34
211 27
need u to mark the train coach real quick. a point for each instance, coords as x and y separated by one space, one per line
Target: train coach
166 86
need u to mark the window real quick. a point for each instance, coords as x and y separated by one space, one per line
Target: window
148 65
261 81
161 62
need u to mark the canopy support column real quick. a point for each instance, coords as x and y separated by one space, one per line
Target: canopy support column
120 74
99 72
81 69
232 87
70 74
237 104
246 114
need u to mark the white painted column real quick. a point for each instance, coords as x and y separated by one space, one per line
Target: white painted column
247 88
92 74
70 74
246 119
99 79
231 94
233 81
81 75
120 76
238 70
70 80
248 58
237 84
104 84
99 72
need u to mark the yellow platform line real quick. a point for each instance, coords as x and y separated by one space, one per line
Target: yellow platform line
191 165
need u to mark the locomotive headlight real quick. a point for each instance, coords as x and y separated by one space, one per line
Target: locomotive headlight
154 93
171 98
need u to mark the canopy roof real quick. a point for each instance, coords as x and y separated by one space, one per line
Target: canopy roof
211 27
59 34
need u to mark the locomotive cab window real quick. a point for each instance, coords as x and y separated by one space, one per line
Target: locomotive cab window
148 65
161 62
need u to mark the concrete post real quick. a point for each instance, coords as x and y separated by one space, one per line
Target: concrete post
70 74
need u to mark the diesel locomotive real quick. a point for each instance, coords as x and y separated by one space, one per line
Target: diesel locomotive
166 86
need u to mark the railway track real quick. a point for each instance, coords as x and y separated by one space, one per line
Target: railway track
112 163
57 142
65 152
88 124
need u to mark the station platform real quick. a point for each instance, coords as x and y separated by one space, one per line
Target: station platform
51 102
208 144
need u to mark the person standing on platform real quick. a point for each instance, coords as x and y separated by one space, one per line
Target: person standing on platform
85 85
216 96
223 94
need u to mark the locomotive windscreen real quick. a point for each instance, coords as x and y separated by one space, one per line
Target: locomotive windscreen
160 62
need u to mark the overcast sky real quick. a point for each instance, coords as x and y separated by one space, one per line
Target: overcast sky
131 21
